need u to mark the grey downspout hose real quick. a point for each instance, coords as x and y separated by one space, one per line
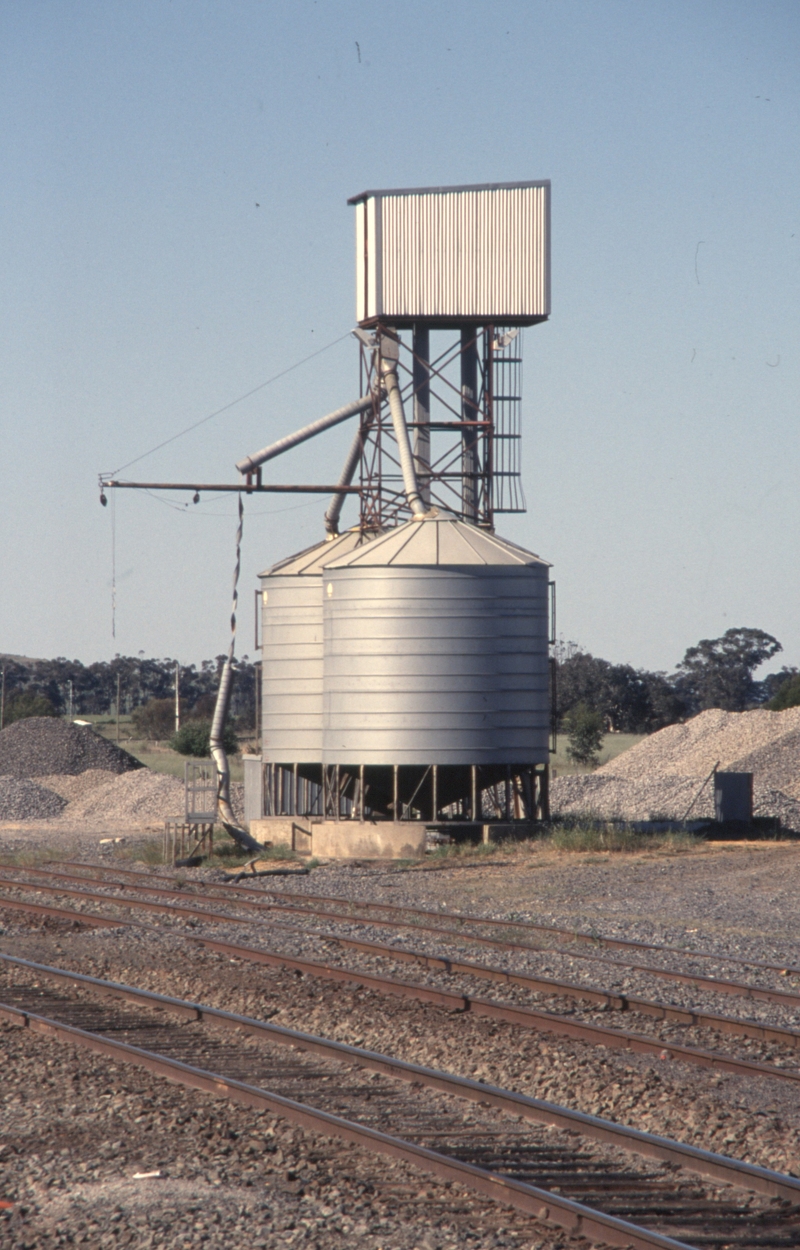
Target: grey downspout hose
350 465
337 501
216 747
389 358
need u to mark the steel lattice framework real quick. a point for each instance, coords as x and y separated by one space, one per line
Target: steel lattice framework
463 409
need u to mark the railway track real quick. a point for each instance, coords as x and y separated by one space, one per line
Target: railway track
755 993
290 904
299 901
589 1176
526 1017
511 1013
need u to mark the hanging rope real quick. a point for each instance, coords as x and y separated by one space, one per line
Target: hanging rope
216 743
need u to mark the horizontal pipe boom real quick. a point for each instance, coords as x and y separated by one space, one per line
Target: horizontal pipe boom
265 488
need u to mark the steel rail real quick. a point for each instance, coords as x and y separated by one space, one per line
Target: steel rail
542 1204
445 963
705 1163
595 939
506 1013
742 989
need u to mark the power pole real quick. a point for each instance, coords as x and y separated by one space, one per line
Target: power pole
177 696
118 685
3 698
71 700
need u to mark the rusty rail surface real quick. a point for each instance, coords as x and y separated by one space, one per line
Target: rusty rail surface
544 1203
704 1162
537 984
569 935
540 1203
507 1013
298 904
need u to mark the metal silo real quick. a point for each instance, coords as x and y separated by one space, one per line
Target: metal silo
291 655
436 676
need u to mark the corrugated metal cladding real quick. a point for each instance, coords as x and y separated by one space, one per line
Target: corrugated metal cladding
291 652
435 640
454 253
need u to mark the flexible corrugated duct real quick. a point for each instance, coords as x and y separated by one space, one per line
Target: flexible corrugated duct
216 744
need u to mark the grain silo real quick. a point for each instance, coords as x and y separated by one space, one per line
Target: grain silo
435 675
291 662
429 704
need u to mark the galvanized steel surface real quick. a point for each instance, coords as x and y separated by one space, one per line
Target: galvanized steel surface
436 646
451 253
291 654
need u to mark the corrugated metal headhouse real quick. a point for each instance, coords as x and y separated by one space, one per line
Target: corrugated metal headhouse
450 255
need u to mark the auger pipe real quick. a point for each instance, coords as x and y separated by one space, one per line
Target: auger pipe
389 357
216 745
300 436
340 494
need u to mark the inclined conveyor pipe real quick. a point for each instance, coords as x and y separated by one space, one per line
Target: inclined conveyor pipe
301 436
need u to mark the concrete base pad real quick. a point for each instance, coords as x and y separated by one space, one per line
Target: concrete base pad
343 839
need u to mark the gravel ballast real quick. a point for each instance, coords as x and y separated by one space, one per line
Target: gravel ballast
42 745
75 1148
660 777
25 800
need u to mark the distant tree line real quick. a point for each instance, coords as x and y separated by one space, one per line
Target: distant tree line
716 672
42 687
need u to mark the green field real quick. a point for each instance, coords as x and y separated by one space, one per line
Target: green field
613 745
155 755
159 757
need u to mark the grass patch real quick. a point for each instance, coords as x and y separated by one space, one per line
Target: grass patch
463 850
613 745
31 856
161 759
148 851
598 835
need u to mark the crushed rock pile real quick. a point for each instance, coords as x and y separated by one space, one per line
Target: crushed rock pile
25 800
40 746
134 798
658 778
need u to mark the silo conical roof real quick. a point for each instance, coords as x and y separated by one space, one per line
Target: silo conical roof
437 539
314 559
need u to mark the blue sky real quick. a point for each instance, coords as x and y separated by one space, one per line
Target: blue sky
174 231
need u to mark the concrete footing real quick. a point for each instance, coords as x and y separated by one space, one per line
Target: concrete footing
353 839
343 839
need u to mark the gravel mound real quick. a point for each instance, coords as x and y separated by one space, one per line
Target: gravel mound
25 800
659 777
131 798
42 745
71 788
714 736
